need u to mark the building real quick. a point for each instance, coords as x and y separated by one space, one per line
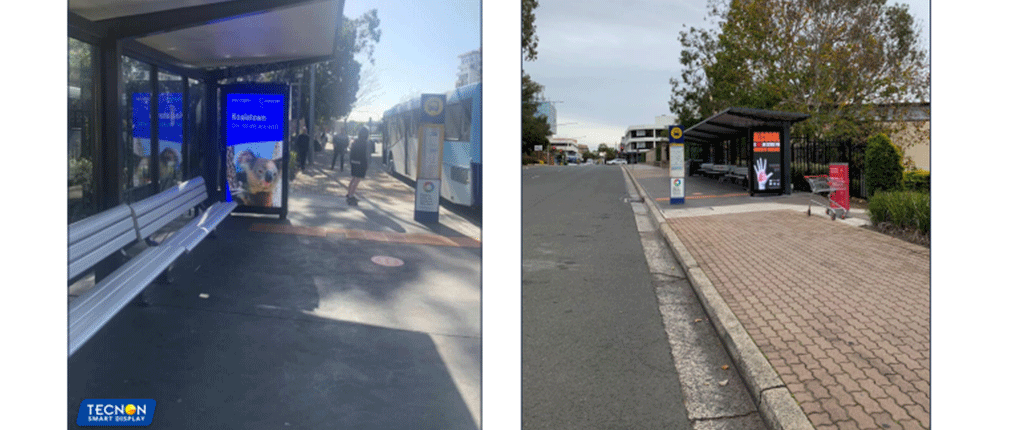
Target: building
547 109
568 147
646 143
909 129
469 69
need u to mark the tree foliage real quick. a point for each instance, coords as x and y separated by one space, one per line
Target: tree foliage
883 168
535 129
337 85
833 59
529 43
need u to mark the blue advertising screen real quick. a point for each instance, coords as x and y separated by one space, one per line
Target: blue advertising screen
170 116
254 135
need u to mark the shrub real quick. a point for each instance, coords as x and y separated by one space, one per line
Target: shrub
537 158
79 172
901 209
884 169
917 180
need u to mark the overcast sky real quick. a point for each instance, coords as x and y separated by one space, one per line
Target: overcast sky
608 63
419 48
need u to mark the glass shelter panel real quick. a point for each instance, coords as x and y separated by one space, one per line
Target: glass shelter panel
196 123
171 117
83 155
136 131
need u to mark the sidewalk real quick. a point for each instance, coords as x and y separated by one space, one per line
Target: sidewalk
841 313
337 317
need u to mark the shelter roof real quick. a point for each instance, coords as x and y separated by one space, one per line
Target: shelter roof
735 121
215 34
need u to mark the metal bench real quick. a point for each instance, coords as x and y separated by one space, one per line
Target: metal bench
738 173
155 212
94 239
706 168
719 171
100 236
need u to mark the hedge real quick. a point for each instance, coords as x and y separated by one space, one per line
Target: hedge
902 209
917 180
883 170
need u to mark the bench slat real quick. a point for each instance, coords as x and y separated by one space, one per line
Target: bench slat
148 210
158 218
93 239
92 310
97 250
151 202
192 234
187 237
217 213
81 229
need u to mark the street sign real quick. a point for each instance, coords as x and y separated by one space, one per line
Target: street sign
677 165
428 173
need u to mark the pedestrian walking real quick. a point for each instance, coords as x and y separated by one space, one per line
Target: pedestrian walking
340 146
359 161
302 147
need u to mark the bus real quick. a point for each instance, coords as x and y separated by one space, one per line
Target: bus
461 168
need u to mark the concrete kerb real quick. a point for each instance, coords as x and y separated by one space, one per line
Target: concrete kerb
775 402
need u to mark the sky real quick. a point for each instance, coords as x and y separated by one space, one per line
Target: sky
419 48
607 65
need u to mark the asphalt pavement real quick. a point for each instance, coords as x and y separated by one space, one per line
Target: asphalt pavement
613 337
595 354
337 317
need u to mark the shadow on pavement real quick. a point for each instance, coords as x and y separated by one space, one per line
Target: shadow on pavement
252 333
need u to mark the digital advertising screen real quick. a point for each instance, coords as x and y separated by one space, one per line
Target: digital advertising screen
255 136
170 116
767 161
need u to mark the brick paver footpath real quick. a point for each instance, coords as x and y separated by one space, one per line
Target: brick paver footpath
842 313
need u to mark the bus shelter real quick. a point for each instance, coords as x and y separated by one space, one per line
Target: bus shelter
144 84
753 138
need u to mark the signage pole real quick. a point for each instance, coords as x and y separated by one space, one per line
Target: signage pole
431 142
677 166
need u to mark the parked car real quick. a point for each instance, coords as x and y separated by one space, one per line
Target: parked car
617 161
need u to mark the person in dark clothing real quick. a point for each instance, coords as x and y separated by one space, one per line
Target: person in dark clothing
302 147
340 146
359 162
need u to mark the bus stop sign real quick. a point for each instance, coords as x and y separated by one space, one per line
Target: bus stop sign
677 166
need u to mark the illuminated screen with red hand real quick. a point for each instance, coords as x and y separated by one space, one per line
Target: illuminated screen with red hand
767 160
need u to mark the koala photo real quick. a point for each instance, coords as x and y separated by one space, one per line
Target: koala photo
168 163
258 180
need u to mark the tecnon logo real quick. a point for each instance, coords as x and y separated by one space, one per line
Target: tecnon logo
116 412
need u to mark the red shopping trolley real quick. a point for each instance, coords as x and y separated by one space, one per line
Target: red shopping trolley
827 187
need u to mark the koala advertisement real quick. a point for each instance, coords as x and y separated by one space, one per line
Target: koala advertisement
170 135
255 144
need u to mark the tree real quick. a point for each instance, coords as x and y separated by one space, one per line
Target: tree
883 167
535 129
337 85
833 59
529 43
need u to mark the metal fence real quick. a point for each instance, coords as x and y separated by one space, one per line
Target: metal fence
812 157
